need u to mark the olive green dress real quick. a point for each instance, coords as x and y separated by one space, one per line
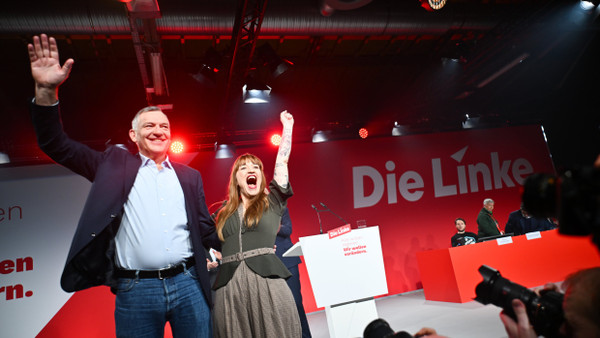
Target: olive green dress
252 298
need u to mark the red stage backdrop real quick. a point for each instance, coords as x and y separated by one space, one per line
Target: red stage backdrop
412 187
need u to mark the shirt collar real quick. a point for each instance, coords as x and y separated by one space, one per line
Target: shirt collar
148 161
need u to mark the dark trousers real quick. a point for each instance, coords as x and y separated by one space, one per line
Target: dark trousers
294 284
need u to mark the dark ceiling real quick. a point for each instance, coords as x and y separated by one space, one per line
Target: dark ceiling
366 64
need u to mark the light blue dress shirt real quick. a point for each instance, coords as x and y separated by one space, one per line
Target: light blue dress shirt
154 233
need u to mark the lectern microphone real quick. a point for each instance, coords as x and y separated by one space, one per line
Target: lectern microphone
336 215
319 217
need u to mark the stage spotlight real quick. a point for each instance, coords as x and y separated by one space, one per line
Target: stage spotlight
455 53
471 122
587 5
4 158
276 139
363 133
177 147
269 58
211 63
224 150
399 130
433 5
206 76
256 92
321 136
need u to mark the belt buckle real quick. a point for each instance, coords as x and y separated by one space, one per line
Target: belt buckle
160 276
239 256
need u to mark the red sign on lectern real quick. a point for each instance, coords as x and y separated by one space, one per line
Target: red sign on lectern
339 231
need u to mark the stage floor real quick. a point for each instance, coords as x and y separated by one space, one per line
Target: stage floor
410 312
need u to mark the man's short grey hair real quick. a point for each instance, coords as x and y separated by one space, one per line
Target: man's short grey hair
488 200
134 122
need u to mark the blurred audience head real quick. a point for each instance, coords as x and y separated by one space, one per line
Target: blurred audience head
581 305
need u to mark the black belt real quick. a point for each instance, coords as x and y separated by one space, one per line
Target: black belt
160 274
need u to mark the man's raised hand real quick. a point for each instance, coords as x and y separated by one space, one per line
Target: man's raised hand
46 70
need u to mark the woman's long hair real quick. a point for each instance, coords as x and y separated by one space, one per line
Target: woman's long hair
258 203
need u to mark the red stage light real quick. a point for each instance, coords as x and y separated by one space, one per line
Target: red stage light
432 5
177 147
363 133
275 139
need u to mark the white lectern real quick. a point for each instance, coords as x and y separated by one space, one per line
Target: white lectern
345 272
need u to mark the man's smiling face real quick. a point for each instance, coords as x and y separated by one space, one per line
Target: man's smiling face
153 135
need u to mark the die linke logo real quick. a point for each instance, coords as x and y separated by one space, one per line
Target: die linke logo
452 177
339 231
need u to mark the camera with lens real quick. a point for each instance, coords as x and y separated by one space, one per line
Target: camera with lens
544 311
379 328
572 197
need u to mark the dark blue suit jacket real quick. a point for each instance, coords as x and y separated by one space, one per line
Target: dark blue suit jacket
283 241
517 224
90 261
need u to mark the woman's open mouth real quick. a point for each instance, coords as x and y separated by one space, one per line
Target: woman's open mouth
251 181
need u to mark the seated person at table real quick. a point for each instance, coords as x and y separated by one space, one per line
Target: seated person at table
462 237
521 222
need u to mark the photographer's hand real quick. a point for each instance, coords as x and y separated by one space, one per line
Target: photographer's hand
521 328
427 332
547 287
